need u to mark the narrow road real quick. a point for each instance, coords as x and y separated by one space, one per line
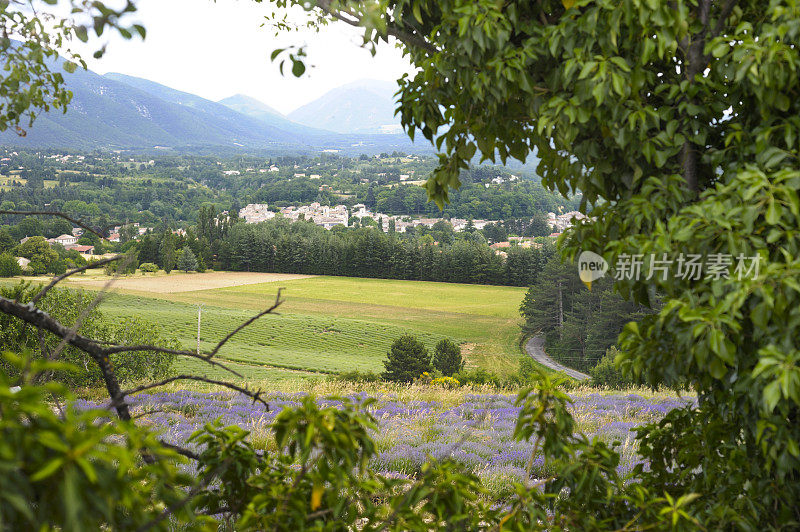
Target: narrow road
534 348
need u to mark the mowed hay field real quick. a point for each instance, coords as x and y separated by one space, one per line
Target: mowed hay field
326 324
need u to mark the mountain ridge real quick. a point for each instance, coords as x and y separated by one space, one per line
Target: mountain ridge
364 106
117 111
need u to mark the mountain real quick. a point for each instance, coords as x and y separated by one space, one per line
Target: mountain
365 106
251 107
117 111
223 114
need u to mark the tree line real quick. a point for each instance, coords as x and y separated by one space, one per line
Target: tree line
302 247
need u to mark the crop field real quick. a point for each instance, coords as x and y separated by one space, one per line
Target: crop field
183 282
6 182
418 422
326 325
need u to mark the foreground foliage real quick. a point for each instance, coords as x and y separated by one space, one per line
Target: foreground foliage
76 470
78 309
678 123
85 469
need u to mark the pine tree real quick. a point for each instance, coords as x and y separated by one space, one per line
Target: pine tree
547 302
187 261
447 357
407 359
167 252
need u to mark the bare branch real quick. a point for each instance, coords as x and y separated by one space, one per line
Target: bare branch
255 396
114 349
206 357
180 450
31 314
270 310
85 312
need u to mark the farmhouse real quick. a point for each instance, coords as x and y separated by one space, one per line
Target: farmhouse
64 240
86 251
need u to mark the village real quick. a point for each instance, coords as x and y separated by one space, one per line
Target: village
339 215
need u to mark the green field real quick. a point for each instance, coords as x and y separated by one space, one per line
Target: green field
332 324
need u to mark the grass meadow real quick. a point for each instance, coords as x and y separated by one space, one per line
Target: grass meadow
326 324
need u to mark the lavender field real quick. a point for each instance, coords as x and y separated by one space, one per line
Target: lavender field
473 429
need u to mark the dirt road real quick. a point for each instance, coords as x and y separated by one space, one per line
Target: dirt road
534 348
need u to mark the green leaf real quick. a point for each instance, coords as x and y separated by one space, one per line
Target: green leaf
773 214
772 395
48 469
298 68
720 49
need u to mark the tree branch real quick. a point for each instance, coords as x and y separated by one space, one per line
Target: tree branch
29 313
727 9
398 33
255 396
693 66
113 350
270 310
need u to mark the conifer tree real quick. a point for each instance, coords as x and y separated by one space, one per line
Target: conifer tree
447 357
407 359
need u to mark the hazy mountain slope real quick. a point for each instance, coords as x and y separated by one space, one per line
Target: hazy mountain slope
241 124
251 107
124 112
365 106
107 112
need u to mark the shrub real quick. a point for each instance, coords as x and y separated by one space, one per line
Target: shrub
125 265
606 373
407 359
9 267
148 267
528 369
479 377
447 357
446 382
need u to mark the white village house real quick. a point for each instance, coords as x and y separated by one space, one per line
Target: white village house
65 240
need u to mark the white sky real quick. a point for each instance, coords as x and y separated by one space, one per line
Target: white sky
219 49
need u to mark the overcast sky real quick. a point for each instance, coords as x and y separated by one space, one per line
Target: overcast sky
217 50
